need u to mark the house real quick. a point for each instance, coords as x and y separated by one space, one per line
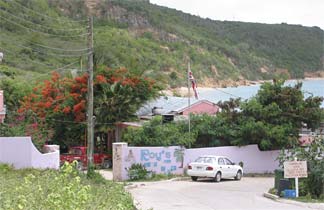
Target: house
177 106
171 108
2 107
199 107
307 136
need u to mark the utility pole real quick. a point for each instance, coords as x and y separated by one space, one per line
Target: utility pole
90 118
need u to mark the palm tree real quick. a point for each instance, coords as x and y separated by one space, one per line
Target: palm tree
179 155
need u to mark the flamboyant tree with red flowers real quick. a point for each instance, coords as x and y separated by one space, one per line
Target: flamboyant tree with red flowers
56 107
56 110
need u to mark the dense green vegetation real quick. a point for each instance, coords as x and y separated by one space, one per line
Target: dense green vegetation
271 119
154 41
154 133
64 189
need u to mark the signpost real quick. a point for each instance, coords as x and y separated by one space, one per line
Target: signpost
295 169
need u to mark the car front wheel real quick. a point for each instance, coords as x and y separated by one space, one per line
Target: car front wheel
218 177
238 175
107 164
194 178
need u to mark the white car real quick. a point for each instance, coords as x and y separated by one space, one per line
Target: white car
216 167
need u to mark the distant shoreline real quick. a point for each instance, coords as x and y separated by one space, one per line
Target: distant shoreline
313 78
183 91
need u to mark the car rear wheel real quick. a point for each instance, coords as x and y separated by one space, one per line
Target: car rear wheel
238 175
194 178
218 177
79 166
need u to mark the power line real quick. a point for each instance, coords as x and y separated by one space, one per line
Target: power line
54 54
49 66
10 52
60 49
67 121
48 28
229 93
37 31
63 67
46 16
54 48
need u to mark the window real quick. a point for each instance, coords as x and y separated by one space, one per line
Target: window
228 162
221 161
209 160
205 160
75 151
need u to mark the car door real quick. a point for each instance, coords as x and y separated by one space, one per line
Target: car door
230 167
222 167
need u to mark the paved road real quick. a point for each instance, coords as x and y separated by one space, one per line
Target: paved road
246 194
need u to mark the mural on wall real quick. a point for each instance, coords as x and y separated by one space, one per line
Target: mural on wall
179 155
130 157
157 159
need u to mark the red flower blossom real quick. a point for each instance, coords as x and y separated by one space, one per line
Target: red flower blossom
48 104
101 79
79 107
66 110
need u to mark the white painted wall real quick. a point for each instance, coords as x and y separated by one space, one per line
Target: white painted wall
254 160
163 159
21 153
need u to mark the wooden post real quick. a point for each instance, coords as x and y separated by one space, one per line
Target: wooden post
296 184
90 120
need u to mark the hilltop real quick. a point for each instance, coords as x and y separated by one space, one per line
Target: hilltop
155 41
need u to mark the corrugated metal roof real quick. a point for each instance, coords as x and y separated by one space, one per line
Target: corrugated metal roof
167 103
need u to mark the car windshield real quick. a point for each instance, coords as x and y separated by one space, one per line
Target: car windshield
205 160
75 151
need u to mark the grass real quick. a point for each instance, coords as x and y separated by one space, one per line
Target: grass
309 199
156 177
64 189
258 175
305 199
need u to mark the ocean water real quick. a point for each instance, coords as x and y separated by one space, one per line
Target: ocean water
310 87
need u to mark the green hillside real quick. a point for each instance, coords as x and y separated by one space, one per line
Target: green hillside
154 41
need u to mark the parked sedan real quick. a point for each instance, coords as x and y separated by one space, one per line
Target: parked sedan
216 167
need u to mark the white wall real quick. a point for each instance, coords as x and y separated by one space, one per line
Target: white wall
254 160
163 160
21 153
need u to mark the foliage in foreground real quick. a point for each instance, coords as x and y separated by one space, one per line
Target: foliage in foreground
64 189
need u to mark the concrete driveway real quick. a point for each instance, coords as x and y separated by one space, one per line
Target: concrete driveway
246 194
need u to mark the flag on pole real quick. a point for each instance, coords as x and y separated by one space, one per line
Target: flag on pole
193 84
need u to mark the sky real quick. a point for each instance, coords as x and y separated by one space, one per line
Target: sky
300 12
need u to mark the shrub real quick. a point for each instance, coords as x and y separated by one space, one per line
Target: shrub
137 171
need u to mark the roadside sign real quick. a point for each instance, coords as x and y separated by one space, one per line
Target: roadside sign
295 169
